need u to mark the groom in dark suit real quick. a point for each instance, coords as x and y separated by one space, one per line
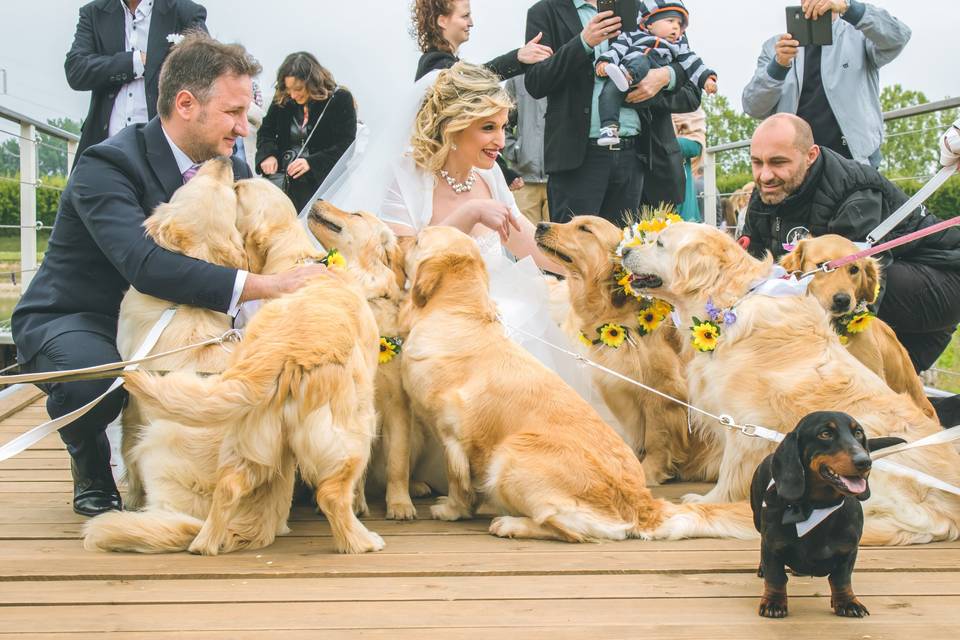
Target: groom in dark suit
67 318
117 52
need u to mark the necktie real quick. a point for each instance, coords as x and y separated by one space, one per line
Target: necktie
189 173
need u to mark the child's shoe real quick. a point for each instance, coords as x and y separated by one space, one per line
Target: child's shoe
618 75
609 136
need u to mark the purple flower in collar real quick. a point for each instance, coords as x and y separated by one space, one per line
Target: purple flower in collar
713 312
729 317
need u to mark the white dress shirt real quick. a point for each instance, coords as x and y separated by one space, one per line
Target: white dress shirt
130 106
183 164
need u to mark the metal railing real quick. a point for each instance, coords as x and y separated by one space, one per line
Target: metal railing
29 182
710 193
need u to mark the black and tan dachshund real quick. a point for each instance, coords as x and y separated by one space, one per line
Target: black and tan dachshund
806 505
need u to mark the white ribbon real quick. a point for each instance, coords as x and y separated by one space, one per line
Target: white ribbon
35 435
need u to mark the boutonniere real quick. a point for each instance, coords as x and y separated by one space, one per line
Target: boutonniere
705 334
174 38
389 348
857 321
334 260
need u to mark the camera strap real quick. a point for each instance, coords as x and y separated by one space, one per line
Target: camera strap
313 130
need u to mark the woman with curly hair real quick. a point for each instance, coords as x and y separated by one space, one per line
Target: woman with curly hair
306 98
442 26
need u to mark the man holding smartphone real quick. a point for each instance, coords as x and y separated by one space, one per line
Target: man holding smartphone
835 88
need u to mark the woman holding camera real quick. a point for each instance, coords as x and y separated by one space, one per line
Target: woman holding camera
310 123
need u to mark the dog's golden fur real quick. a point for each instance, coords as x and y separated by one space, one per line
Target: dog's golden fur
375 257
877 346
735 207
512 430
298 390
200 221
780 361
651 424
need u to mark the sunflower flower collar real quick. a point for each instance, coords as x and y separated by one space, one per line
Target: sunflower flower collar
334 260
389 348
705 334
857 321
649 318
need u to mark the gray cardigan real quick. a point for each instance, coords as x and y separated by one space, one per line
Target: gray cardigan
863 41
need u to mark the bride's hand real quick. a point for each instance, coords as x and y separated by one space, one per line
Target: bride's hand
534 52
495 215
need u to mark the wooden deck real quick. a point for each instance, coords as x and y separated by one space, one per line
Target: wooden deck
433 580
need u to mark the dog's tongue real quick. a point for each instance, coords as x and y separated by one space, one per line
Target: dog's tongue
853 484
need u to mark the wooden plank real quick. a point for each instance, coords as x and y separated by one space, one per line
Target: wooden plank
36 475
37 487
314 557
22 463
23 396
543 587
663 615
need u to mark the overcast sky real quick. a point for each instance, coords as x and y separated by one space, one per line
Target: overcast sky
366 44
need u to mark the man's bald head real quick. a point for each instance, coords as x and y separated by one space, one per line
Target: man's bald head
787 125
781 152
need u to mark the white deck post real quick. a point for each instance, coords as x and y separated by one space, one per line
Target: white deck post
28 202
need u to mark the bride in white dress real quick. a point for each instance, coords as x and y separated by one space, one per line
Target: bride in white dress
443 171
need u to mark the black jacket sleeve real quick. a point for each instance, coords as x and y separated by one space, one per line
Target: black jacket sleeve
683 98
106 200
268 136
506 66
88 70
335 132
568 59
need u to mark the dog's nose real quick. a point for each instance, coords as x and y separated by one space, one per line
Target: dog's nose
543 227
862 462
841 302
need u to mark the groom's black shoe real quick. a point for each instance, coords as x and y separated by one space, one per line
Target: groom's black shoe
94 489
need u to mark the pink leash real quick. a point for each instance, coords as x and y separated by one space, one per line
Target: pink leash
910 237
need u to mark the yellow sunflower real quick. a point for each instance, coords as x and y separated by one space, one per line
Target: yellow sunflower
673 217
612 335
584 340
625 283
334 260
844 340
649 320
859 322
661 307
657 225
704 335
388 350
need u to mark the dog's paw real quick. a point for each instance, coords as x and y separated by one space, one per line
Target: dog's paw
446 510
850 609
363 541
773 608
508 526
401 510
360 506
420 489
203 547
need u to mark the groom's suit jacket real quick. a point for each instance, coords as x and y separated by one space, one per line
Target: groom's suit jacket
98 62
98 248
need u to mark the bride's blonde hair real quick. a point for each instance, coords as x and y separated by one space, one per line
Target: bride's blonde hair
461 95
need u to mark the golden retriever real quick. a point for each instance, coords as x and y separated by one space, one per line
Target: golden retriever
781 360
200 221
190 472
735 207
840 293
374 255
512 430
651 424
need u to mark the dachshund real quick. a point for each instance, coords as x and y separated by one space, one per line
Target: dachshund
806 505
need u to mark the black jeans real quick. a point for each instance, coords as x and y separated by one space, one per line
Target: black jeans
922 306
611 98
607 184
74 350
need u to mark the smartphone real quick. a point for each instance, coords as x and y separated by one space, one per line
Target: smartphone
809 32
625 9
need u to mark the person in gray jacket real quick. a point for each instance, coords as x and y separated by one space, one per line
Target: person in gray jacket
524 151
835 88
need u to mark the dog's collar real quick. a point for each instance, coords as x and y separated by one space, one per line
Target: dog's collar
854 322
613 334
802 514
390 347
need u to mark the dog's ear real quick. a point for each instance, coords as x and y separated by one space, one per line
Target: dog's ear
429 276
875 444
869 281
397 257
793 261
788 471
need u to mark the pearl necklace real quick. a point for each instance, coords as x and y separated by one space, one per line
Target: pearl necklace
460 187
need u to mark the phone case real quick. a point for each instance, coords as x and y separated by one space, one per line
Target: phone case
809 32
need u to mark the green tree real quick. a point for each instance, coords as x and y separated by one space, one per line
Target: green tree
910 144
726 124
51 151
